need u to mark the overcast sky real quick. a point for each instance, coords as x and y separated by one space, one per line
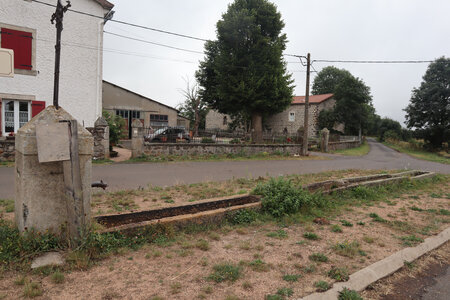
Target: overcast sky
328 29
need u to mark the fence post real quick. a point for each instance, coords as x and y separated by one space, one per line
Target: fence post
101 138
325 134
137 138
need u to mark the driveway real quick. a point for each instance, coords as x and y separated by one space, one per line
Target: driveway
132 176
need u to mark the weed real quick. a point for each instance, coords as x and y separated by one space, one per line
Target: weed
411 240
279 234
247 285
246 245
347 249
322 286
57 277
208 289
318 257
175 288
338 274
285 292
273 297
336 228
361 223
225 272
377 218
310 236
346 223
415 208
32 289
347 294
244 216
202 245
444 212
409 265
291 277
20 280
8 204
259 266
214 236
309 269
368 239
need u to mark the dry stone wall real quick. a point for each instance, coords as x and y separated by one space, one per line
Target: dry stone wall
7 150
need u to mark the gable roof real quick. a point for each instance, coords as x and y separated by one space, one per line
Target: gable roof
313 99
139 95
105 4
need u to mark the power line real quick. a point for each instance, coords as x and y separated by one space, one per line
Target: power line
128 23
374 61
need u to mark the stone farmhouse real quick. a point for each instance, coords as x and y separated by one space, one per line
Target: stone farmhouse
287 121
130 106
26 29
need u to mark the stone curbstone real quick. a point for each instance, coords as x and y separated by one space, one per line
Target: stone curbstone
361 279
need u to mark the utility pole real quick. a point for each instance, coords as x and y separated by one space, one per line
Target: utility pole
305 127
58 17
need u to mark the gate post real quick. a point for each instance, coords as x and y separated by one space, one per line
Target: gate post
137 138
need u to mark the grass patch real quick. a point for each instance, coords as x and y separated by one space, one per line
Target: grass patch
357 151
32 290
347 249
7 204
225 272
322 286
310 236
377 218
259 266
338 274
291 277
279 234
318 257
411 240
405 147
346 223
57 277
336 228
347 294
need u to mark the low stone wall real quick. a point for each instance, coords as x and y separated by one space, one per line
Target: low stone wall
343 145
200 149
7 150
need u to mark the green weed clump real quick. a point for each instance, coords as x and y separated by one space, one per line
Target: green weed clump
225 272
310 236
338 274
322 286
291 277
347 249
347 294
318 257
336 228
244 216
280 197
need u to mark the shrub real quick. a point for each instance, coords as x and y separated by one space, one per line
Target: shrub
318 257
347 294
225 272
244 216
280 197
338 274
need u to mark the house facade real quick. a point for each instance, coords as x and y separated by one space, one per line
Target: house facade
26 29
130 106
287 121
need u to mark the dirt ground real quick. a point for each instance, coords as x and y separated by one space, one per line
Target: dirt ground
411 281
264 253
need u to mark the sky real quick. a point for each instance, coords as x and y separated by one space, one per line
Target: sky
328 29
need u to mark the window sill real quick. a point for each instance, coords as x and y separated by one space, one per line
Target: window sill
25 72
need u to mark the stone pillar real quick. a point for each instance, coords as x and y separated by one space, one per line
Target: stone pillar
324 137
137 138
101 138
40 195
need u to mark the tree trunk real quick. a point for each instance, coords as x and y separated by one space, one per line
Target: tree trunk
196 116
257 128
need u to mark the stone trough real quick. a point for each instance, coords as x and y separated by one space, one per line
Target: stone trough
214 210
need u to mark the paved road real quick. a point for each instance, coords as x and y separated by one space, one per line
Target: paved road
131 176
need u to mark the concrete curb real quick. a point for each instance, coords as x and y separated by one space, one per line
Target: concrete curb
362 278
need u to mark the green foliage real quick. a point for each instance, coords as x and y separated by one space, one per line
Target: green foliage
338 274
279 234
411 240
318 257
57 277
327 119
322 286
280 197
207 140
336 228
244 72
346 223
347 294
428 108
259 266
225 272
243 216
388 129
377 218
8 204
291 277
285 292
116 127
347 249
32 289
310 236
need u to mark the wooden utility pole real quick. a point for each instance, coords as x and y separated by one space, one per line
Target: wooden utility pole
58 18
305 127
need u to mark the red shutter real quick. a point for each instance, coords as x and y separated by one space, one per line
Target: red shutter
21 43
37 107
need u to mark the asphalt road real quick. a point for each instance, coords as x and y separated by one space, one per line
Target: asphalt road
132 176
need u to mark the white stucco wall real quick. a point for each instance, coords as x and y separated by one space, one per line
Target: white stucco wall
80 90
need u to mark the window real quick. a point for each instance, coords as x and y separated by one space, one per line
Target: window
21 41
122 113
15 114
291 116
159 120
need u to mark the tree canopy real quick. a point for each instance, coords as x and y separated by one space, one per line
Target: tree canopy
353 98
429 107
244 73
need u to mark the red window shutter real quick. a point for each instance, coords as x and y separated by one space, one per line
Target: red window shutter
21 42
37 107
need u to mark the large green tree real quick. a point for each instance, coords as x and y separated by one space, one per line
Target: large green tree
353 99
429 107
244 72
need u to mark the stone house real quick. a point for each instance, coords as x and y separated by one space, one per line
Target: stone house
130 106
26 29
289 120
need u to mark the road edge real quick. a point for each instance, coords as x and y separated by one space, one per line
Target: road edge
361 279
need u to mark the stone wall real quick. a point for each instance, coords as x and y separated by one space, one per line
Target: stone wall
200 149
7 150
343 145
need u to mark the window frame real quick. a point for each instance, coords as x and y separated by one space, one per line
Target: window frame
291 113
33 71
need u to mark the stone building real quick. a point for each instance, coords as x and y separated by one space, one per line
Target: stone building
130 106
289 120
25 28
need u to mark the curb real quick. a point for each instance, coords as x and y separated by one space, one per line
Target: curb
385 267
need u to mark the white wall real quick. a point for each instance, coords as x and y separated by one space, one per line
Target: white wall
81 67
